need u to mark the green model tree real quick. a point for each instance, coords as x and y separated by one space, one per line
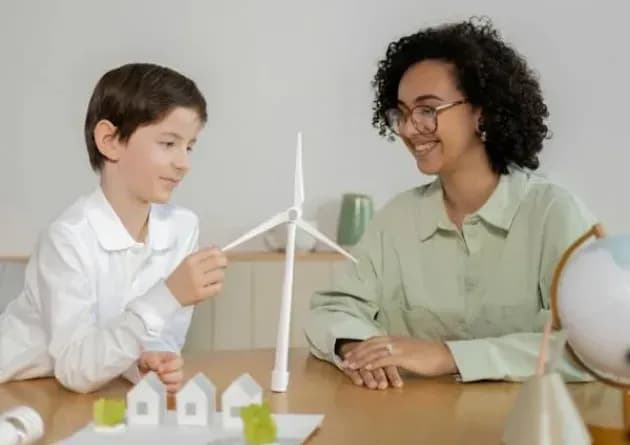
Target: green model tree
259 425
109 412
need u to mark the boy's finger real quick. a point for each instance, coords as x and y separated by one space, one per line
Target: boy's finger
150 361
206 253
172 377
172 388
174 364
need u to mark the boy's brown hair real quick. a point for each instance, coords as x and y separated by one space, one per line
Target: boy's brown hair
135 95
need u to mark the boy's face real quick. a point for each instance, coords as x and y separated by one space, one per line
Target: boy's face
155 158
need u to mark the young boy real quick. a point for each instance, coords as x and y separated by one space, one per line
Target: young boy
110 287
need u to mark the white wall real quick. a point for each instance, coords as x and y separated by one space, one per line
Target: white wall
270 68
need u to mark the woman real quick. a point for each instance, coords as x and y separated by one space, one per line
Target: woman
453 276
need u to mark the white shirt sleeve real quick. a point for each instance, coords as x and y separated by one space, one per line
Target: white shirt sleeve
174 334
85 355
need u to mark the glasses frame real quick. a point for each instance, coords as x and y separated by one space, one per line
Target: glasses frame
435 111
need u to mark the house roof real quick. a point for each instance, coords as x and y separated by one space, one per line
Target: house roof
153 381
247 383
201 381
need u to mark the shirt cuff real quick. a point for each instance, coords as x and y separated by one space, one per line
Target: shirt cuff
352 329
159 344
133 373
155 307
474 360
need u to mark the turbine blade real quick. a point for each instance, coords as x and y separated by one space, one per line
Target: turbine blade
298 187
321 237
261 228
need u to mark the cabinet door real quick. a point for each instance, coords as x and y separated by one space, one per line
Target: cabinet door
245 314
233 309
200 336
267 284
267 289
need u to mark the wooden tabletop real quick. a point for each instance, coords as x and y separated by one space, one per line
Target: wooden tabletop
424 411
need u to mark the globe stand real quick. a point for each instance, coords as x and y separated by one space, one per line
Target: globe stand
610 433
544 412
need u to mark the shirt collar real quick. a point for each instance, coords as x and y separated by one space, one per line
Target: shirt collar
498 211
112 234
432 214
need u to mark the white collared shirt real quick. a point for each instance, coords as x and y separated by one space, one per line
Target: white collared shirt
94 298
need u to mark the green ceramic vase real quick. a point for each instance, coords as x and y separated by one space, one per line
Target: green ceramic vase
356 212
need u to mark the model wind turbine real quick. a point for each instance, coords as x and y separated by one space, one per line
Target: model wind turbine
292 217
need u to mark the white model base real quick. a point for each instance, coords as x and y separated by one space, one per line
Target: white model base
279 381
120 428
292 429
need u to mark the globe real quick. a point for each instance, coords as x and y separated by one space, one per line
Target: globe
593 306
590 301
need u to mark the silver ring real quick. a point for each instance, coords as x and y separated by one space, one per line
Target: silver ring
389 348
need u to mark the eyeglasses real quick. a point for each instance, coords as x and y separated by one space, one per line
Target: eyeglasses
423 117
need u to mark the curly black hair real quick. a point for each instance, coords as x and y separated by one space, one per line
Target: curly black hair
490 74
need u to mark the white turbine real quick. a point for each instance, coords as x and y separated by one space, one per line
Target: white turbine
292 217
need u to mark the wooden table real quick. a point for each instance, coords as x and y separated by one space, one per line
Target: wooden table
424 411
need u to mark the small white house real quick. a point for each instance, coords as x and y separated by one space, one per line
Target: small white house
242 392
146 402
196 402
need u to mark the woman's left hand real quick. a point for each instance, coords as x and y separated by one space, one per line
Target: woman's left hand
423 357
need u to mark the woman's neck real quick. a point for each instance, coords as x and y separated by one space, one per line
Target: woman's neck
468 187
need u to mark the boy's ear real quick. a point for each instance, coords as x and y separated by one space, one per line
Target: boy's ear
106 139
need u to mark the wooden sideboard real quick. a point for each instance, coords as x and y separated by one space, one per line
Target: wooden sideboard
245 314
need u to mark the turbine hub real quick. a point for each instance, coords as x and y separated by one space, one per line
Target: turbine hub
294 213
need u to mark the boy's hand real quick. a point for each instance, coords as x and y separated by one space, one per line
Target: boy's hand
198 277
169 367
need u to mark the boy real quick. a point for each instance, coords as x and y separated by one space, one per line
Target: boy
110 287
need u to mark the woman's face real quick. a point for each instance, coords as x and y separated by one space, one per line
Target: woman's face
438 140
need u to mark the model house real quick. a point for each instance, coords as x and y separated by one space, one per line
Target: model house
196 402
242 392
146 402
